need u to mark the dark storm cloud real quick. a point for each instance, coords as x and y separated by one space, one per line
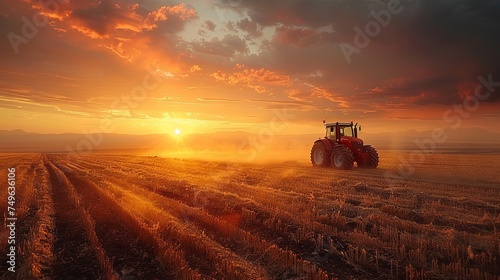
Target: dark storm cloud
251 27
472 27
102 18
301 37
436 45
227 46
210 25
429 91
300 12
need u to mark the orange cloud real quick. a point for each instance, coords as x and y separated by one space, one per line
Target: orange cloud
60 11
194 68
162 14
308 93
123 29
87 31
117 48
107 17
258 79
219 76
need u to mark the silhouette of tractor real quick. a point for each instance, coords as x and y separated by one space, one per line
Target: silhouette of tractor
341 147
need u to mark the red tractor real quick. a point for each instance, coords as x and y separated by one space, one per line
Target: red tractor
341 147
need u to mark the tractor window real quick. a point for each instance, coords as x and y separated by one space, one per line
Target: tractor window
330 132
346 131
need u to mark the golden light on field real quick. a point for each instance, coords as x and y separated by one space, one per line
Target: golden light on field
180 217
177 131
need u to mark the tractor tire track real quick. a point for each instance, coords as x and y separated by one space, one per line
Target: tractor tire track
351 224
74 257
222 231
176 198
132 258
196 257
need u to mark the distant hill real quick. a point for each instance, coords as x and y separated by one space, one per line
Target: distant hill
22 141
463 136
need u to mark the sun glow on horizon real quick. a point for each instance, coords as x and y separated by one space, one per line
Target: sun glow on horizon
177 131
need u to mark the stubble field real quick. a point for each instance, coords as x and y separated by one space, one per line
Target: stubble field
109 216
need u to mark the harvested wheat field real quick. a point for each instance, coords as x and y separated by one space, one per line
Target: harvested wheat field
106 216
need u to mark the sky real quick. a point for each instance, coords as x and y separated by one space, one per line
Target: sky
141 67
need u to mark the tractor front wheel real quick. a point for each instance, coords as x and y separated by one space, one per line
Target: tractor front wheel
372 158
319 155
342 158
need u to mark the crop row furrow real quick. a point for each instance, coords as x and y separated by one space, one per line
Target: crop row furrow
115 241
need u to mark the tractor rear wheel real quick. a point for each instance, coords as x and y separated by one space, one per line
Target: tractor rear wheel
320 156
372 158
342 158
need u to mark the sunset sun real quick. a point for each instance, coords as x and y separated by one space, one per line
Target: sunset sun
177 131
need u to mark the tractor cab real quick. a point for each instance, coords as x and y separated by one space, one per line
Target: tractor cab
342 133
